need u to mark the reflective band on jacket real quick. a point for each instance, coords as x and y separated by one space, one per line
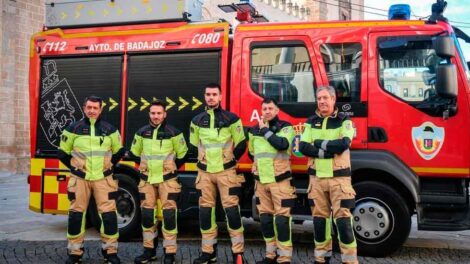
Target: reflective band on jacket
281 155
217 145
158 157
93 153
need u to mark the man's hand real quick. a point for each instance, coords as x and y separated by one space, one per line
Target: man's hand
263 124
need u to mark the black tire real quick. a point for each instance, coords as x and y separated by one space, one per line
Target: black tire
128 209
379 231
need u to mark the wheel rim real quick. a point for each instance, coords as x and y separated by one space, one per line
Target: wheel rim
126 207
373 220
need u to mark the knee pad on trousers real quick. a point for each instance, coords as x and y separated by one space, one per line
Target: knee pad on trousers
75 223
319 227
345 231
283 228
169 219
267 225
233 217
148 218
110 226
205 218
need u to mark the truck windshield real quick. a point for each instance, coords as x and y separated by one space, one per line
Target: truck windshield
459 43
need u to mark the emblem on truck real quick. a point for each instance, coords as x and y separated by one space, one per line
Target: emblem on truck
428 139
299 129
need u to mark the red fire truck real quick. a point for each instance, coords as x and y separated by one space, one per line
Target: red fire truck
405 84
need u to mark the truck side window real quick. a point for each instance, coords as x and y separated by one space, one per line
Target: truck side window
407 67
343 67
283 73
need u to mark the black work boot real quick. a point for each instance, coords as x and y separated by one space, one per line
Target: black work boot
105 255
74 259
206 258
327 261
113 259
169 259
267 260
148 255
238 258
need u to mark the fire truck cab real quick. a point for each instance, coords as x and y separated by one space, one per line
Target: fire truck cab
404 83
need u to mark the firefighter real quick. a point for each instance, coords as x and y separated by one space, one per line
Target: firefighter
219 136
90 148
269 146
161 150
326 141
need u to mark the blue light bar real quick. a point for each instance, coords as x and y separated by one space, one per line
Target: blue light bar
400 11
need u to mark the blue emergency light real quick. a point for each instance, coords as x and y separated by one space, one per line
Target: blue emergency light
399 12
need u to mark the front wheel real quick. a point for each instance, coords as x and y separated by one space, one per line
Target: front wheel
381 219
128 209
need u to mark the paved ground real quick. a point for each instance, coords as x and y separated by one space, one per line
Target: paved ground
54 252
28 237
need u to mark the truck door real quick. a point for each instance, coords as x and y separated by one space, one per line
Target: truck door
281 68
405 105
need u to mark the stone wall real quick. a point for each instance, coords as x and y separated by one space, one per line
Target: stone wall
20 19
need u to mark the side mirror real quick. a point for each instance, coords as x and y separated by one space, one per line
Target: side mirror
446 80
444 46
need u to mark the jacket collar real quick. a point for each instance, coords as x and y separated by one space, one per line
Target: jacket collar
88 121
159 127
274 121
333 115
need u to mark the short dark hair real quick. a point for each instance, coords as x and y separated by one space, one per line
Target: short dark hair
158 103
270 100
214 85
94 99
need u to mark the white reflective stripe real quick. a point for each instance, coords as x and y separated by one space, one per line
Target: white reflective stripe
158 157
322 253
74 246
79 155
271 248
321 153
148 236
323 144
268 134
105 246
209 241
348 258
217 145
279 155
284 253
93 153
237 239
167 242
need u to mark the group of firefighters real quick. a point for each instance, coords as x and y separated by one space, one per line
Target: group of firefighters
91 147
